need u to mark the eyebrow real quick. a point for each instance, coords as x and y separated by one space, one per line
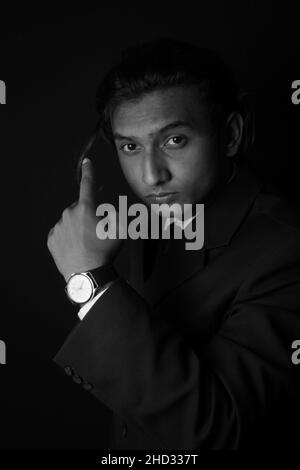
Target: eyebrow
171 125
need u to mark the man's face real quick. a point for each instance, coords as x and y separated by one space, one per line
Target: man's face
166 144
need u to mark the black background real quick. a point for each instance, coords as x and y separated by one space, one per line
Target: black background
52 62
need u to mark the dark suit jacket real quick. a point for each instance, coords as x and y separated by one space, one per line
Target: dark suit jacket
194 352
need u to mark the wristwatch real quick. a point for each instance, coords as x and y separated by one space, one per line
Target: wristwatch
82 287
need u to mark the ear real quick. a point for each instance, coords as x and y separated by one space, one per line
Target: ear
234 133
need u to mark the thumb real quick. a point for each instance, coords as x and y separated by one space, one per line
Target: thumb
87 183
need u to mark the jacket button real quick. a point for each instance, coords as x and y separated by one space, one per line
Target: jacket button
124 429
69 370
77 379
87 386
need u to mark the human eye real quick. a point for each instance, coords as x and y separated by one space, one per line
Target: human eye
128 148
176 141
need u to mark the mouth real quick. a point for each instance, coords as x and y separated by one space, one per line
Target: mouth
160 197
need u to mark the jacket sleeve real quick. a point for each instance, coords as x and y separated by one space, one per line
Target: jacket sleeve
227 393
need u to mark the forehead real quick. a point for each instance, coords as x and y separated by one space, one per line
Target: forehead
156 109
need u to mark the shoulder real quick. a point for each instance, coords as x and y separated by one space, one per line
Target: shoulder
272 232
268 237
278 211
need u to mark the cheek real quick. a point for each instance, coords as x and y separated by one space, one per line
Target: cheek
198 169
204 157
131 172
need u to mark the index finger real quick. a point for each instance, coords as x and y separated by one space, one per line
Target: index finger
87 183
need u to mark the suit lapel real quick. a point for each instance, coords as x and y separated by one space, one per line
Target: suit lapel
171 268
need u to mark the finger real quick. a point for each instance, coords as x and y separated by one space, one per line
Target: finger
49 237
87 183
50 232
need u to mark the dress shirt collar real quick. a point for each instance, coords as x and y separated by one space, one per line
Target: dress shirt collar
184 223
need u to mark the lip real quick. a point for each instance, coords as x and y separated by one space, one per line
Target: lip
160 197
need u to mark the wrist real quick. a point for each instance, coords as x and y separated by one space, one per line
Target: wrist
85 270
82 287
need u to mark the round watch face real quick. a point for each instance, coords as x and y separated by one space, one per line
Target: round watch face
80 288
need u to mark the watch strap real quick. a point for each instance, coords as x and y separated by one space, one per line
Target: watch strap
102 275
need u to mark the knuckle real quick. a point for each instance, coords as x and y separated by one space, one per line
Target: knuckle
86 177
65 213
49 239
82 207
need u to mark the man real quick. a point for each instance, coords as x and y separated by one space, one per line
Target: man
192 349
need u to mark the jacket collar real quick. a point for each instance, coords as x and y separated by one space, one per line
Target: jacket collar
230 205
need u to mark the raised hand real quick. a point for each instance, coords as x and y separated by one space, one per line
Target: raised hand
73 242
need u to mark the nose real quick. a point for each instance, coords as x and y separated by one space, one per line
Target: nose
155 170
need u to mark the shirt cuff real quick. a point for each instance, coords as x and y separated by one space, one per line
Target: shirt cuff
84 310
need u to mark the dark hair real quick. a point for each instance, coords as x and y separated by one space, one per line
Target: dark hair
164 63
